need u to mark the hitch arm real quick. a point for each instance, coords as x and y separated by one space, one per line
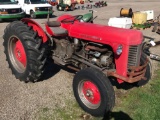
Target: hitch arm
154 57
148 45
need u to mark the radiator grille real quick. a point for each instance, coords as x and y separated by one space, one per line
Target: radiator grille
13 11
43 8
134 55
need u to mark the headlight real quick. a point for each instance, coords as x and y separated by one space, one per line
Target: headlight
36 8
119 50
3 11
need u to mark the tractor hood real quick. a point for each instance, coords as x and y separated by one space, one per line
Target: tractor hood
105 34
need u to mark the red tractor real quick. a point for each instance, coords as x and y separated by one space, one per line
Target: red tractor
53 3
100 54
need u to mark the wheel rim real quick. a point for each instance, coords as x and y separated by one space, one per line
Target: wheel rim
89 94
17 54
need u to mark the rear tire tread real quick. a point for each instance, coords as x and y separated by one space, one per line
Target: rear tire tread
34 49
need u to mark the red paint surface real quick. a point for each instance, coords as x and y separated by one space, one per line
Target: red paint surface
103 34
111 36
94 97
37 28
20 53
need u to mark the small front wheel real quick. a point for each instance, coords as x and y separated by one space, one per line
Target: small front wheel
93 91
148 73
1 20
59 8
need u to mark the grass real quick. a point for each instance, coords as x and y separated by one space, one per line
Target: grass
70 112
141 103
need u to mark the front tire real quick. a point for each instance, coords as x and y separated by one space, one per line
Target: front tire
24 51
148 73
59 8
93 91
32 15
1 20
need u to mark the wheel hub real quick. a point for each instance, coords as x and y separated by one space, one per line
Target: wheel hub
20 53
91 92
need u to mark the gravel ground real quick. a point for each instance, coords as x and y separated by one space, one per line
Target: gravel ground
20 101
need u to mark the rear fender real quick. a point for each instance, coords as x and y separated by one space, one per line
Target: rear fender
36 27
64 17
65 25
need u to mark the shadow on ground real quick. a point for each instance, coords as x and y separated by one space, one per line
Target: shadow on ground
125 85
117 116
52 69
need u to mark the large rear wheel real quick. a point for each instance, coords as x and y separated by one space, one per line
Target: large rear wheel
93 91
24 51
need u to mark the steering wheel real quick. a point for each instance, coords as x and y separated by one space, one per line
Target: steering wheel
72 19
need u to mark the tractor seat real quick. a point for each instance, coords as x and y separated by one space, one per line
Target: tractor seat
57 30
53 23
